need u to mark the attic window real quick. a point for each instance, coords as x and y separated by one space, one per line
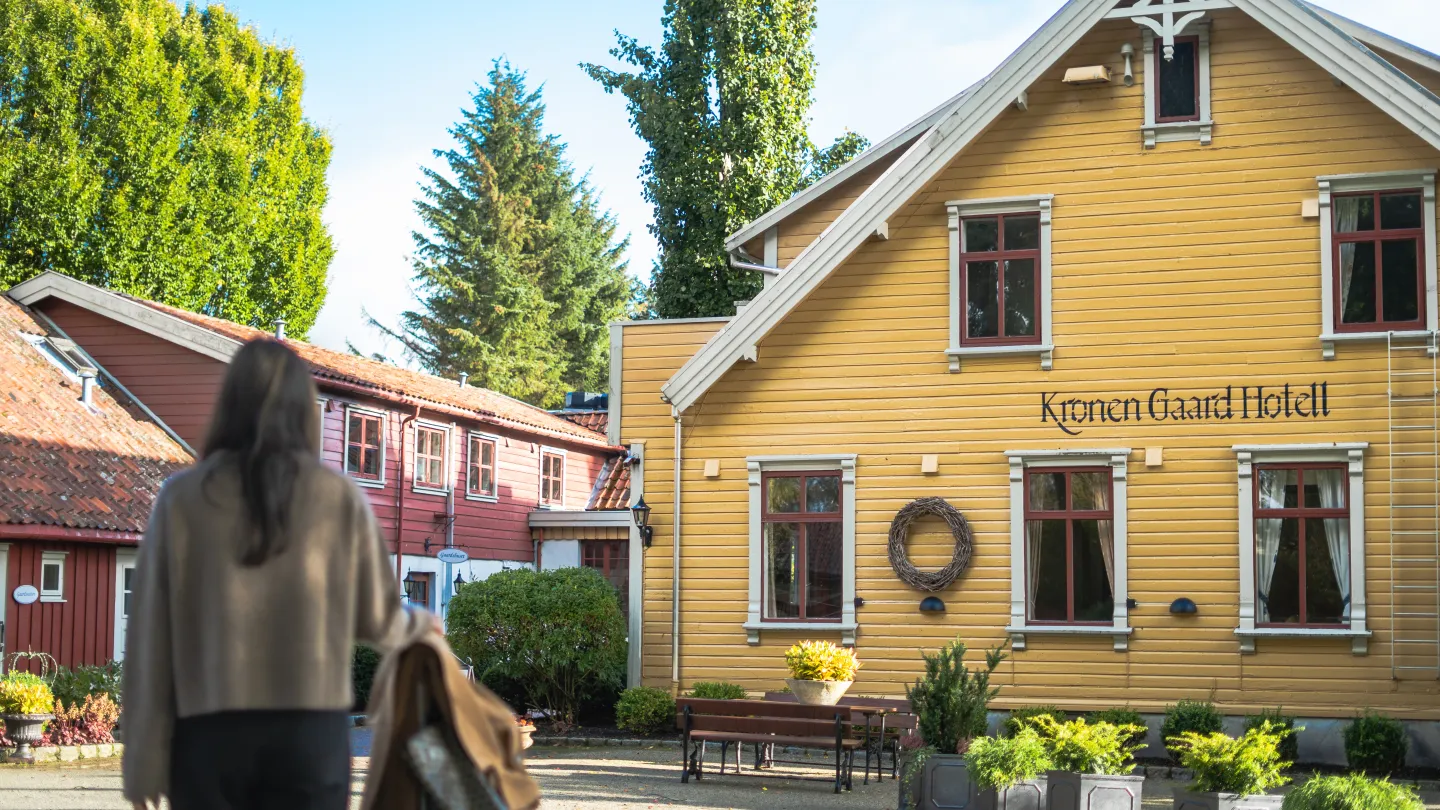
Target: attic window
1177 90
1177 93
63 354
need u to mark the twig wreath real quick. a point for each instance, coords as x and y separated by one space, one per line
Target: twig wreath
900 531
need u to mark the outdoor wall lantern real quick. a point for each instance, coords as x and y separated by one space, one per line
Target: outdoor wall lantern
641 512
932 604
1183 606
459 580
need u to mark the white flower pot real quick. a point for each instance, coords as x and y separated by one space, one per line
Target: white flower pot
818 693
1185 800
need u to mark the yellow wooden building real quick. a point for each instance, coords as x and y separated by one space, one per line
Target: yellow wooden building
1154 307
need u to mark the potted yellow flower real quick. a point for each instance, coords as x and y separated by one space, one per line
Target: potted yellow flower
25 705
820 672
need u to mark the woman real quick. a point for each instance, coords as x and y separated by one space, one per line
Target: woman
260 570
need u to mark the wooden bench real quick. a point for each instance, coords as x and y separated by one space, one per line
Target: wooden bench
899 720
764 724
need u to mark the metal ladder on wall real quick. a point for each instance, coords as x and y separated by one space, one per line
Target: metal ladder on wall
1413 411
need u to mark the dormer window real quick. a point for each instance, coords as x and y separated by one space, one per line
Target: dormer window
1177 89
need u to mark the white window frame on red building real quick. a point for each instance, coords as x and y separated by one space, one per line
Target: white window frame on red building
446 466
480 495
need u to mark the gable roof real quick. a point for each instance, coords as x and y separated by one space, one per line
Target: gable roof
1379 40
1294 21
220 339
66 464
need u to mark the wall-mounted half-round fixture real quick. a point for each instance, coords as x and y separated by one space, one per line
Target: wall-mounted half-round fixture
1183 605
932 604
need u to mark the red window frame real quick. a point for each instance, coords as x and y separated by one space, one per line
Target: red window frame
999 256
612 559
475 467
1302 513
805 519
423 457
552 485
1379 236
1160 72
1069 514
367 421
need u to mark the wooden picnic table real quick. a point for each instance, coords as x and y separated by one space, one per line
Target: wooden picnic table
895 711
764 724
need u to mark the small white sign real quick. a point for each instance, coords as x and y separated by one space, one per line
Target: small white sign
27 594
452 555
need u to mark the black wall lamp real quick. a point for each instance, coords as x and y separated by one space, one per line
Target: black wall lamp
1183 606
932 604
641 512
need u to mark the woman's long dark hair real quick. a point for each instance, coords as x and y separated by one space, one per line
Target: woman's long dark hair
267 419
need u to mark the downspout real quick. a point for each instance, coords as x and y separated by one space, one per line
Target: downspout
400 495
535 552
675 603
760 268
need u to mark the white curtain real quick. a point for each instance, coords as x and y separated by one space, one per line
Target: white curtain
1347 216
771 611
1267 534
1332 485
1101 497
1032 575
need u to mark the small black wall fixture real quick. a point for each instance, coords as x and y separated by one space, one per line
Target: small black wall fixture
1183 606
641 512
932 604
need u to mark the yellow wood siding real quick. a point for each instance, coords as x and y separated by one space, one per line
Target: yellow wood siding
1183 266
797 231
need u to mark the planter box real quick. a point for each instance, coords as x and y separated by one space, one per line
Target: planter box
1185 800
1088 791
944 784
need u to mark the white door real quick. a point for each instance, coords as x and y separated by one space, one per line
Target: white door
124 581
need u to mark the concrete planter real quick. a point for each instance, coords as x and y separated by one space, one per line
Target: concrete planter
818 693
944 784
25 730
1090 791
1185 800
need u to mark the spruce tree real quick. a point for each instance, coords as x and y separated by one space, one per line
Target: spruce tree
518 270
723 105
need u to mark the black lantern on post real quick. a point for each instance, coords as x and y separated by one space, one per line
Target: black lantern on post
641 512
459 580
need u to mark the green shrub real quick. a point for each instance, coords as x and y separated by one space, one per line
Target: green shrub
645 710
363 663
1080 747
71 687
996 763
1123 717
558 635
1376 744
951 701
1290 745
1353 792
718 690
25 693
1248 766
1022 717
1199 716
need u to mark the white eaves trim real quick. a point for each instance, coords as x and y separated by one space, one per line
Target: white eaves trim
604 518
131 313
1379 40
1295 22
857 164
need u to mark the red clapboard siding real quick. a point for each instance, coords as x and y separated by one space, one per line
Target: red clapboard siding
179 385
79 630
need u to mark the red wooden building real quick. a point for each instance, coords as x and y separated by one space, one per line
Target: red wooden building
447 465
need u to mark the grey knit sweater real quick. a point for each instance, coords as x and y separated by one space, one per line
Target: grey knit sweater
209 634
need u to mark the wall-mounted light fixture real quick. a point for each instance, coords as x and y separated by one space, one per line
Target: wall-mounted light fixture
641 512
932 604
459 580
1183 607
1128 51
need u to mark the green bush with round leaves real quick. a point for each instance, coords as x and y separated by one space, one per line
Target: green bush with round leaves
645 710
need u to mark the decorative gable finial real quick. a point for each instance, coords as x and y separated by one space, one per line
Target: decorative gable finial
1167 27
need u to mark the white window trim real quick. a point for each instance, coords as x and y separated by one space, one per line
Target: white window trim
447 464
495 474
124 558
564 471
1349 453
1173 132
958 209
48 558
1115 459
756 466
1331 185
345 446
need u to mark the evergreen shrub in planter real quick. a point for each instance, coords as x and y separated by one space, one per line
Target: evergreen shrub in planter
1376 744
1199 716
820 671
1091 765
1231 773
1353 792
1008 773
1123 717
951 703
1027 715
1290 745
25 705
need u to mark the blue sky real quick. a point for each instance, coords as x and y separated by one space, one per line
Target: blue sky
386 79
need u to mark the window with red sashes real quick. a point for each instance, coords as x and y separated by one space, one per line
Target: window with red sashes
804 549
1000 279
1302 545
480 467
430 446
364 448
612 559
1379 255
552 478
1070 545
1177 93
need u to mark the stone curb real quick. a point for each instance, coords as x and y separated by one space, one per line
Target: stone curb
70 753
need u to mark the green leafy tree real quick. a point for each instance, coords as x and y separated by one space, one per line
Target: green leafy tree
518 270
161 153
723 105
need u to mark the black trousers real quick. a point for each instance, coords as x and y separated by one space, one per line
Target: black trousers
297 760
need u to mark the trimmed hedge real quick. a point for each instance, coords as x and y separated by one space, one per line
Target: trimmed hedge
1376 744
1199 716
718 690
645 710
363 663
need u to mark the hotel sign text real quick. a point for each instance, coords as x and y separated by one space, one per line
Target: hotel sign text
1288 401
